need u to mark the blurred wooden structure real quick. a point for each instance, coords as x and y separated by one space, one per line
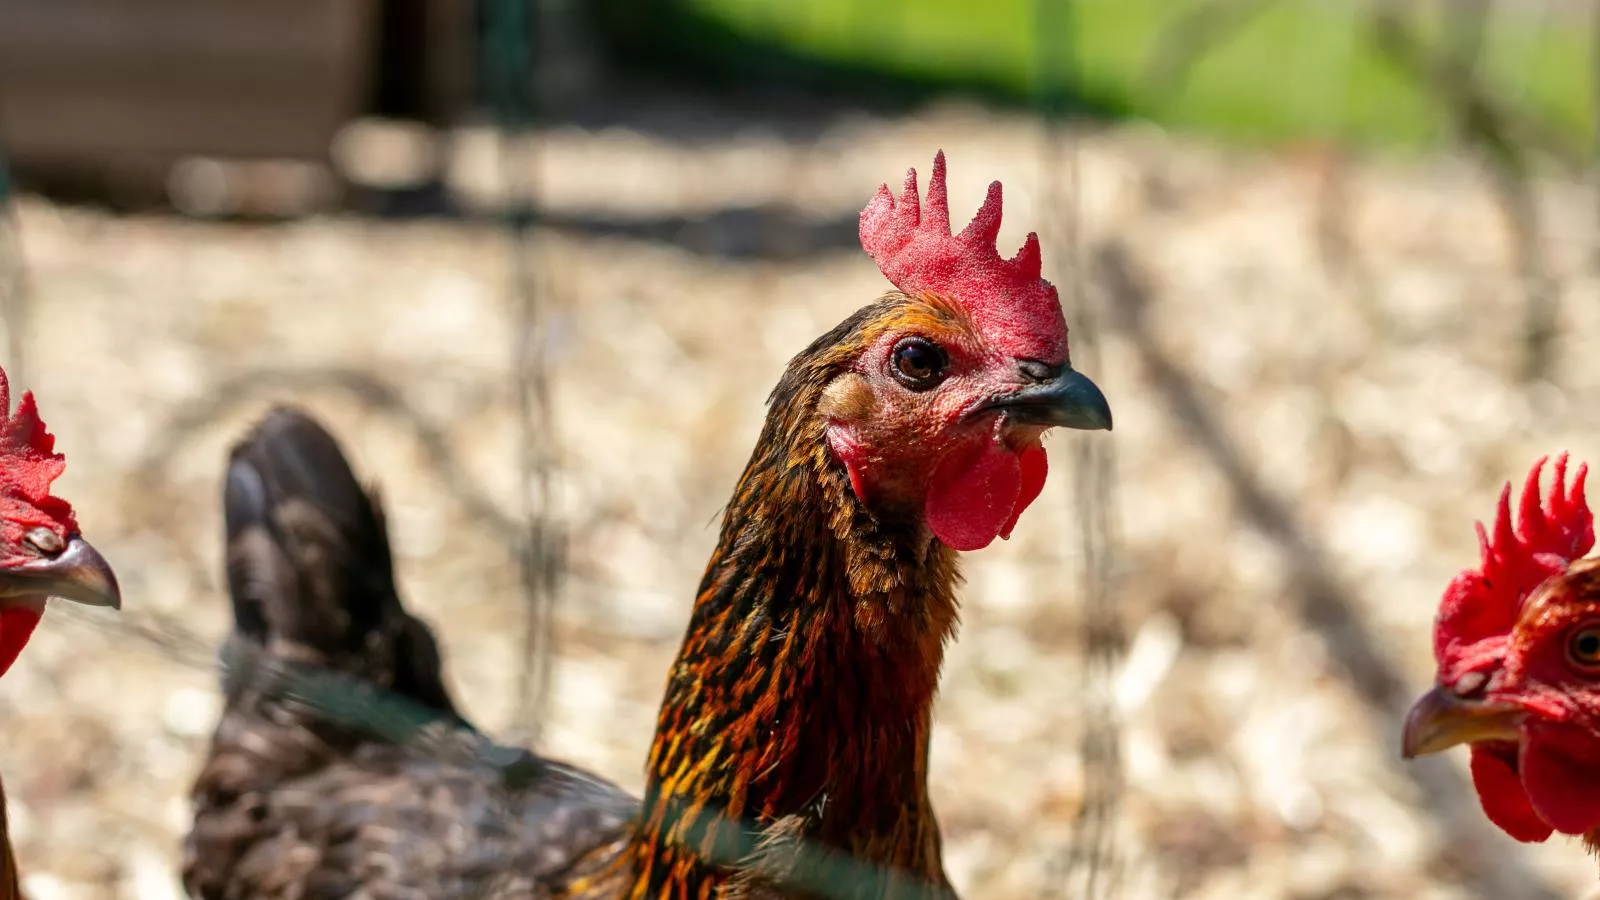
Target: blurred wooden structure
106 90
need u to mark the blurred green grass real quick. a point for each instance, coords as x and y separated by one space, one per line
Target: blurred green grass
1294 70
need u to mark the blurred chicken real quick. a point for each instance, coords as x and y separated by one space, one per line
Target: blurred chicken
791 751
1517 642
41 555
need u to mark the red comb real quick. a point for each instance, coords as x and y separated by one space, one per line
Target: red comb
1484 603
1008 300
28 463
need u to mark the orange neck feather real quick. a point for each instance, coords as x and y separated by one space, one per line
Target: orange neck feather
797 713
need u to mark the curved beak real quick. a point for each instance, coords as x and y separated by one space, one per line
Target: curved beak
1442 719
78 573
1069 400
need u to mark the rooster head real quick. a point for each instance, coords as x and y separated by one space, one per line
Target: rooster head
942 407
41 553
1517 646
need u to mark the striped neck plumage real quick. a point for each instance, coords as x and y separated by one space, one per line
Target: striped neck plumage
796 717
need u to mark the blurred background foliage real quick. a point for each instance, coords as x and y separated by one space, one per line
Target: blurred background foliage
1247 71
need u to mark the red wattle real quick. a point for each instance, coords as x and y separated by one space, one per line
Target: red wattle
1035 469
849 453
973 495
16 626
1503 798
1557 774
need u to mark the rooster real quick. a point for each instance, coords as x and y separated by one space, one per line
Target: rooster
41 555
791 750
1517 641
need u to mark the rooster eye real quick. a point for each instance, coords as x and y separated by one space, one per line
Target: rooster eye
918 363
45 541
1583 648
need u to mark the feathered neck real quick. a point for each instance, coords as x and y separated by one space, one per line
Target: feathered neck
799 706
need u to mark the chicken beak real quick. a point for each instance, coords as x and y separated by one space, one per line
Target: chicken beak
1069 400
78 573
1442 719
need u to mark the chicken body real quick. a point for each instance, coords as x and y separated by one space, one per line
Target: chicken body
341 765
790 757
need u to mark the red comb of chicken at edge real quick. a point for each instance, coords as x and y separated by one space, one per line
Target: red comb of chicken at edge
28 511
915 250
1482 605
28 466
1507 682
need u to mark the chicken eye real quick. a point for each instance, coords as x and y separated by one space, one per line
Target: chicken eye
45 541
1583 648
918 363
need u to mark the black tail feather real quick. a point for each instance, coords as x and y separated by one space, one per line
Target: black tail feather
310 571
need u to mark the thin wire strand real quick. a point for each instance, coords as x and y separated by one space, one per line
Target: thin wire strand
512 62
1090 867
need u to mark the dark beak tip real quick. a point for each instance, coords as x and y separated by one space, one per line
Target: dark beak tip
1091 405
82 575
114 597
1416 731
1107 419
1408 743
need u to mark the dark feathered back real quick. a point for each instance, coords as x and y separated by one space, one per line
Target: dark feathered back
340 766
310 572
